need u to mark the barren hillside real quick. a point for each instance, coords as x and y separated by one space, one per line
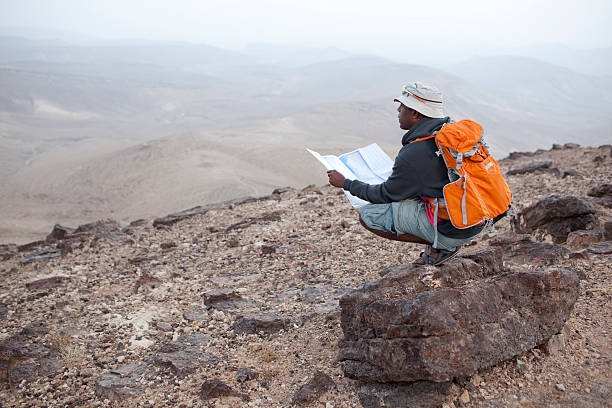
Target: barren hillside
237 304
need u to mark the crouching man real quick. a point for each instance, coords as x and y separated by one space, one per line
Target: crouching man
402 207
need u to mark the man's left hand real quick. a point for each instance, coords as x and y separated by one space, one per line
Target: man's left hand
335 178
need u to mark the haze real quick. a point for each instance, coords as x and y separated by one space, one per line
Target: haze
137 109
398 30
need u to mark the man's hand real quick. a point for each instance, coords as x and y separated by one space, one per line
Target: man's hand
335 178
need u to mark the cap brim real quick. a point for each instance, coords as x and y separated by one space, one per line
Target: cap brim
422 108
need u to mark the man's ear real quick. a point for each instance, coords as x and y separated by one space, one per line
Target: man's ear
416 115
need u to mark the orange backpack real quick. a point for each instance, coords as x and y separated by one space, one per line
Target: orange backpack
477 191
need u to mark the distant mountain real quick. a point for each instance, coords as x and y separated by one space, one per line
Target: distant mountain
595 61
292 55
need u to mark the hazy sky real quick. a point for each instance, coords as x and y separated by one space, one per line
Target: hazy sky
383 27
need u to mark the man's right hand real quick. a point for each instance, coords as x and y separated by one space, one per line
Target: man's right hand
335 178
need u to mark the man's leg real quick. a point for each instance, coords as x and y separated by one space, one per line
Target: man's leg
378 219
393 236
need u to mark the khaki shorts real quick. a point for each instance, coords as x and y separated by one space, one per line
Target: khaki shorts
406 217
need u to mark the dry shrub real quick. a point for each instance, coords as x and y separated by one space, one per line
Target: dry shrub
269 373
268 356
70 351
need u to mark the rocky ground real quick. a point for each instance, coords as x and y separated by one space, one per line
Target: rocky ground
237 305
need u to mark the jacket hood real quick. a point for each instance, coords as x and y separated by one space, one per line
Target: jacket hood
424 127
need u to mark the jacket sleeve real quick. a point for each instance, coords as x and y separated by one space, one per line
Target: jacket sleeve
404 182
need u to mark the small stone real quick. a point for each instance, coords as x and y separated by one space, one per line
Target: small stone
560 387
555 344
164 326
521 366
476 380
268 249
120 359
464 398
246 374
219 295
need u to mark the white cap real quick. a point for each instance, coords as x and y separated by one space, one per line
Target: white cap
423 98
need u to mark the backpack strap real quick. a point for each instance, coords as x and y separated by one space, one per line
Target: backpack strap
423 138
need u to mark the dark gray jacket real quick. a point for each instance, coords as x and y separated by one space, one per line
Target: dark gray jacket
417 172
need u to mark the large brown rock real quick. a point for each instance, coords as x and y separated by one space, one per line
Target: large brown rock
423 323
558 216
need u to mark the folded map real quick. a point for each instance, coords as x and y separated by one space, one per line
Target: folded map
368 164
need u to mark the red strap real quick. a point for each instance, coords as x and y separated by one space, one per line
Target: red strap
423 138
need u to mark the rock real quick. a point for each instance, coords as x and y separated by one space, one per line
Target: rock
180 359
421 394
607 227
167 245
571 145
533 253
601 248
197 315
397 330
219 295
569 173
216 388
268 249
560 387
282 190
164 326
464 398
580 254
318 385
582 239
554 345
22 359
521 366
3 310
59 232
7 251
47 283
122 382
260 321
41 255
603 201
176 217
558 216
534 167
196 339
246 374
601 190
266 217
31 245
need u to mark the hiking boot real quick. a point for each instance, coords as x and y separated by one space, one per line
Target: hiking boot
433 256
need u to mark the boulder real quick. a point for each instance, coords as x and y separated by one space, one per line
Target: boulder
59 232
534 167
582 239
601 190
122 382
260 321
518 248
558 216
176 217
424 323
180 359
318 385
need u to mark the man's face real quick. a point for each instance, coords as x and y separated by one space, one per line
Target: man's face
407 117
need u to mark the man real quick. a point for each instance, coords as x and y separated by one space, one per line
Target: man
398 210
